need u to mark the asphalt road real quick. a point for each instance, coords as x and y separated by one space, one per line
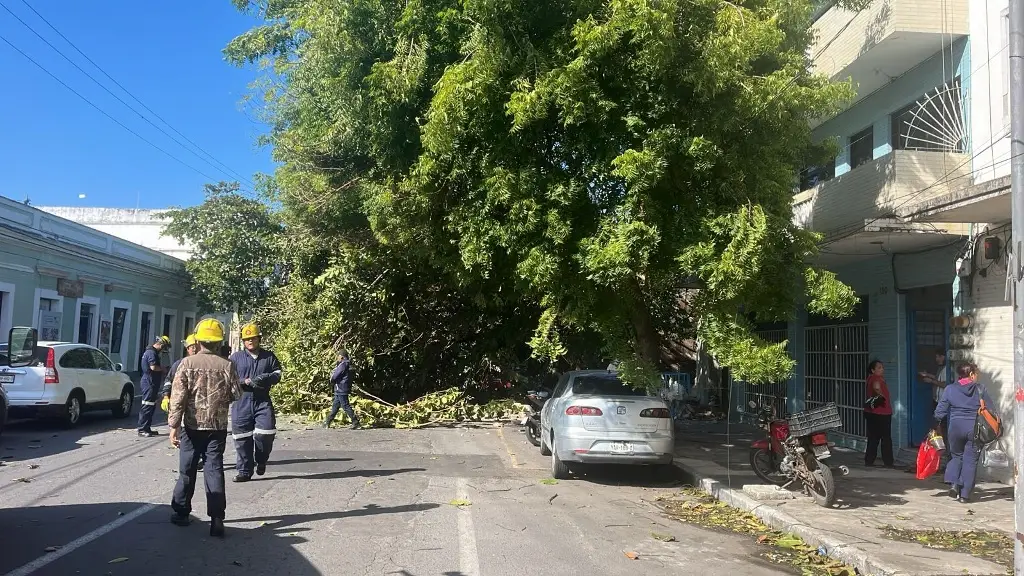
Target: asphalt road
93 501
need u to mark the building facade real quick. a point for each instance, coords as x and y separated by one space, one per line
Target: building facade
76 284
924 135
145 228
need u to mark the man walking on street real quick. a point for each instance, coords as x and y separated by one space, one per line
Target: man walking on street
252 418
191 348
341 378
204 387
152 379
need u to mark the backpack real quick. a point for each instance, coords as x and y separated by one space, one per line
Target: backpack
987 426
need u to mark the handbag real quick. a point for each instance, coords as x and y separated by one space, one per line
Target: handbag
988 427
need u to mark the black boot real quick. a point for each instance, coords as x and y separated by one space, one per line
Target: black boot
261 469
217 527
180 519
202 464
241 478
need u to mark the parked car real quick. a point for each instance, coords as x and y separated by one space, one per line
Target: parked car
63 381
3 407
593 417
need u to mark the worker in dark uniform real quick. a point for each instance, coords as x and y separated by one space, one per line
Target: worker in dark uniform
152 381
191 347
341 379
252 417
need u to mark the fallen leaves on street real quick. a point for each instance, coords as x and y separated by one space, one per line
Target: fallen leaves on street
632 555
549 481
460 503
693 506
988 545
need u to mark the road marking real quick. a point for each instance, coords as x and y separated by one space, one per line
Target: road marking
469 564
76 544
511 455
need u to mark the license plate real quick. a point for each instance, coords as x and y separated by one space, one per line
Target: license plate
6 379
622 448
821 451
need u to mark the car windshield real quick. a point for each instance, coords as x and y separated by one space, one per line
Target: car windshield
603 385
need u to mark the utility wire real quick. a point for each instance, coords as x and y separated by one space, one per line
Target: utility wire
104 112
226 170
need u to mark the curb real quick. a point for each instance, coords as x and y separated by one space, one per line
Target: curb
778 520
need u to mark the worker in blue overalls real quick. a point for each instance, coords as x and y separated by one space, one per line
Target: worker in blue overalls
151 381
252 416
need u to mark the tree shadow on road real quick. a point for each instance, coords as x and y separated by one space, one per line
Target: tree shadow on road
279 523
144 543
350 473
28 439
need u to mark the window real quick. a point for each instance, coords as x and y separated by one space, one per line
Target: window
934 122
85 322
100 360
77 358
602 385
189 325
862 147
145 334
120 320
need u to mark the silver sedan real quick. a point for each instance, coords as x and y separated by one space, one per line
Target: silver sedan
592 417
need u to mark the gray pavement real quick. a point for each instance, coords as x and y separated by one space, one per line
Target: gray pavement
340 502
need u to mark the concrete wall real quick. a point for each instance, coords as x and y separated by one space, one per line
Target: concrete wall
989 91
142 227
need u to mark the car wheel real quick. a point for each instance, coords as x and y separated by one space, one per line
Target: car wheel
559 470
544 450
124 405
73 410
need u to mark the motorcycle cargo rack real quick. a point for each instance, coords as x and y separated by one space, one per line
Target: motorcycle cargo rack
820 419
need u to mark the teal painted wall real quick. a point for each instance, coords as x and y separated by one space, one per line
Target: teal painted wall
875 109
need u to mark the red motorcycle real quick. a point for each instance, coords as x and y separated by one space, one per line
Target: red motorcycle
794 450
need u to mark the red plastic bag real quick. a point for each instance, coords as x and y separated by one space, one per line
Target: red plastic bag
928 459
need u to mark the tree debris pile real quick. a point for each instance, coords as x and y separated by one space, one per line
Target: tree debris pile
440 408
988 545
696 507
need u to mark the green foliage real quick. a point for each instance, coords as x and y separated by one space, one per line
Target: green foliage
235 247
461 177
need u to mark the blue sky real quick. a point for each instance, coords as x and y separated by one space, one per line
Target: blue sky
54 146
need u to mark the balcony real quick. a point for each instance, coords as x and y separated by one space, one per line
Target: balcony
854 210
885 40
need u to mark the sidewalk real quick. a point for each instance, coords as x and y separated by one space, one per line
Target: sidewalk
715 457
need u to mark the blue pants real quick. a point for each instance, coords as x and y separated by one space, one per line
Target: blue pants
150 397
253 427
195 446
341 402
963 455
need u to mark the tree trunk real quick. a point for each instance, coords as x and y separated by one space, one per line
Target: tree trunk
647 338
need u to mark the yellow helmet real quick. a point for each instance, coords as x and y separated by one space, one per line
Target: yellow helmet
209 330
165 340
251 330
190 340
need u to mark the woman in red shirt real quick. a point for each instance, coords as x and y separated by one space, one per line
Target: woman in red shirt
878 413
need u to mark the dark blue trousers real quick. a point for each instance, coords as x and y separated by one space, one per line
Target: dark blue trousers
253 427
195 444
341 402
962 469
150 397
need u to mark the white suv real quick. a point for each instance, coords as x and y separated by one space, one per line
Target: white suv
65 380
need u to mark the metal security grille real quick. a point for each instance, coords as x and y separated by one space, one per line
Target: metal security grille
835 370
765 394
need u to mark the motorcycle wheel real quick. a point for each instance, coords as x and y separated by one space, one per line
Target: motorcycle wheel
763 463
824 489
532 434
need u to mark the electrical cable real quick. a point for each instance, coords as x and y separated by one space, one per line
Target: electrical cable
133 97
108 91
101 111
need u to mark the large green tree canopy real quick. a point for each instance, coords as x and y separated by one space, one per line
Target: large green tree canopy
578 163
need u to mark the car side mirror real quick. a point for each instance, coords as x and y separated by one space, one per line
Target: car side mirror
543 394
21 344
118 368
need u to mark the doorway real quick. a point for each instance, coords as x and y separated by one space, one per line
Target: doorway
928 312
145 333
